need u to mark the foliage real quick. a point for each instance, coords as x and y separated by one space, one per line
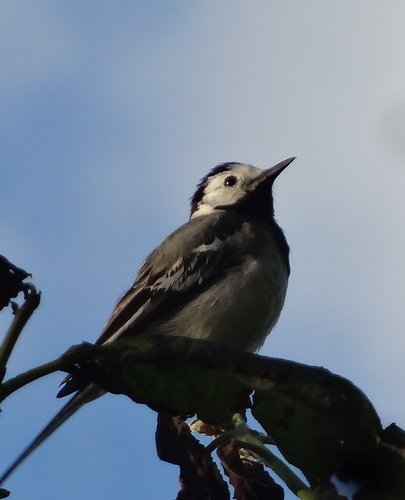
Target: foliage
320 422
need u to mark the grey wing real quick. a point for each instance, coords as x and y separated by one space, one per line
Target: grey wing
176 268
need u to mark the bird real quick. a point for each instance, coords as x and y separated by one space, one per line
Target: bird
222 276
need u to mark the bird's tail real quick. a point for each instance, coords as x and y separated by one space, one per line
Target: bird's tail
89 393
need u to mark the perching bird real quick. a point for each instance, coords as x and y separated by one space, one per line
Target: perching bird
222 276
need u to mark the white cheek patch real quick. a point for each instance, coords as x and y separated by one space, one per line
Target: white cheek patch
202 209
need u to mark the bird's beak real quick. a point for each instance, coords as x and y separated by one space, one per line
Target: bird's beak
269 175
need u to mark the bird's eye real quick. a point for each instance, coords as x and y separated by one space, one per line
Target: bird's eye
230 181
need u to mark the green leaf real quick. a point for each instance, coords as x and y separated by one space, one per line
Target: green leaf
175 376
322 423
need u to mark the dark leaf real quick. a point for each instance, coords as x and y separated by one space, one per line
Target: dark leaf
322 423
199 476
394 437
171 375
249 478
11 281
385 479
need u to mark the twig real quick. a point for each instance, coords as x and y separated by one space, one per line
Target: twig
64 363
232 433
245 438
293 482
21 316
25 378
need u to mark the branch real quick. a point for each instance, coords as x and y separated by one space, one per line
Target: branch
64 363
21 316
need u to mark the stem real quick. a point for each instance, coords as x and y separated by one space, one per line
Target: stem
63 363
29 376
21 316
244 437
293 482
222 439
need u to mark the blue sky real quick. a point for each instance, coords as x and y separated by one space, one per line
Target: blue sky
112 111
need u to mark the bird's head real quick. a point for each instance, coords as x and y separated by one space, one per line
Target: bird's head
237 186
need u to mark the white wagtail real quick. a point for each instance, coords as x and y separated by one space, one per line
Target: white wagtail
222 277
